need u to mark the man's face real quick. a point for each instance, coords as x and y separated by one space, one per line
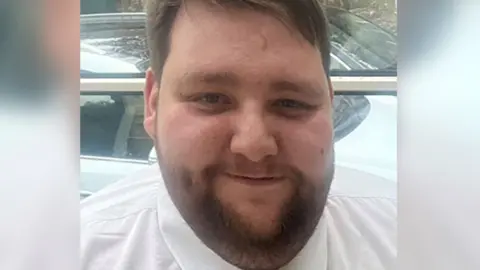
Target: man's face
242 127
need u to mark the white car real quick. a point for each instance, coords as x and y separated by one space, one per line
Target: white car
114 144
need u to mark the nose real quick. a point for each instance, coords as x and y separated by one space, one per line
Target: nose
252 138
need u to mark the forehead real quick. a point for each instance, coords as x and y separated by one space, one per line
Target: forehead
251 44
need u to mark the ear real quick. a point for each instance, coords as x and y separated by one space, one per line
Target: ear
150 94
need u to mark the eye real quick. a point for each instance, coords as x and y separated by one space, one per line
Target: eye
291 108
212 102
291 104
212 98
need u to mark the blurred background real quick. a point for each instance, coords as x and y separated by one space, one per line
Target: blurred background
382 12
39 141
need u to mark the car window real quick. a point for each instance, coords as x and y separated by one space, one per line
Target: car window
371 46
112 126
98 6
119 42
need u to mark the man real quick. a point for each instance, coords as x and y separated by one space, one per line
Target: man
239 104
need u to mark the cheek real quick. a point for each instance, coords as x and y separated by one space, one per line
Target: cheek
190 139
309 146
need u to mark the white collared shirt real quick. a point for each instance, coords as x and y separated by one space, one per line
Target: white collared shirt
133 224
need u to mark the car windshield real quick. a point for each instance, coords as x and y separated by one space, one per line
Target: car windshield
115 43
364 44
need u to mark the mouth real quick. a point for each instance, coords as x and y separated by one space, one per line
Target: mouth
256 179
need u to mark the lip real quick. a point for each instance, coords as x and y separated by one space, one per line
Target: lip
255 178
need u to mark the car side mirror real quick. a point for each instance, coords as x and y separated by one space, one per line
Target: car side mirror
348 113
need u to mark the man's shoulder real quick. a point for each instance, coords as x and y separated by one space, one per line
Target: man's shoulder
120 227
362 209
354 183
136 193
361 198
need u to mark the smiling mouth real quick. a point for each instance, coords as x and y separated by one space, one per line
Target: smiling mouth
255 179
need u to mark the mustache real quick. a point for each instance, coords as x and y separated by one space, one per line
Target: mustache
253 169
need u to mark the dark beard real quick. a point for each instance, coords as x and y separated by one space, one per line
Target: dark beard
222 230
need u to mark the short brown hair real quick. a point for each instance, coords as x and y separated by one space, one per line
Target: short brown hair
306 16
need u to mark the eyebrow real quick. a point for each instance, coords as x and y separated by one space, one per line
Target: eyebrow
301 87
220 78
231 79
